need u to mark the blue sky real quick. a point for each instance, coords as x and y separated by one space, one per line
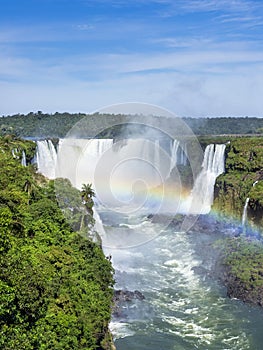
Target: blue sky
193 57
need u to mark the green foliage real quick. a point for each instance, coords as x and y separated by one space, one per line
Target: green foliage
244 167
44 125
225 125
244 260
55 286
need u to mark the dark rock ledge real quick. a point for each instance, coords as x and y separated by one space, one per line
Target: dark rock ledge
121 297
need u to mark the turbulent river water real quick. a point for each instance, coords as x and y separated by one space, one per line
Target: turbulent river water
183 308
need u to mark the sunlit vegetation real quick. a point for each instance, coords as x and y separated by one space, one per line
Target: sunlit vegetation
243 178
41 125
55 284
243 260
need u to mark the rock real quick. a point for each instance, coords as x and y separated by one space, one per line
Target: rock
121 297
126 295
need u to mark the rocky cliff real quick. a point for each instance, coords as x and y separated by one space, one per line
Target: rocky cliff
242 180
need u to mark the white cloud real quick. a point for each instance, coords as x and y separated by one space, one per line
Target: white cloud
239 93
191 75
222 5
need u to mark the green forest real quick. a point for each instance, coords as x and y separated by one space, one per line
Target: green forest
45 125
56 285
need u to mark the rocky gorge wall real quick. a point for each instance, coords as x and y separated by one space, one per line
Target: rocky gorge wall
242 181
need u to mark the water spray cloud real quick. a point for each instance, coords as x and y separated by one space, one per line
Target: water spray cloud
133 173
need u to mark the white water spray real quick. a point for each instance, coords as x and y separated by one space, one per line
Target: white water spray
244 215
46 158
174 154
113 168
23 160
213 165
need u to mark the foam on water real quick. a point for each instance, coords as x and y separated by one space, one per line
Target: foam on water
190 312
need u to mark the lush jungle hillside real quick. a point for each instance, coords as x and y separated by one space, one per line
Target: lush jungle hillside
242 183
55 285
43 125
243 178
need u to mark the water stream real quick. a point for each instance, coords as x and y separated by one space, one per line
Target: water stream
184 307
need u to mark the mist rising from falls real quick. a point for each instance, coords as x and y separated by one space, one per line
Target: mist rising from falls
123 172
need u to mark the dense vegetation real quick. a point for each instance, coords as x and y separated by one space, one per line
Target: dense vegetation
241 182
243 273
42 125
243 178
55 285
225 125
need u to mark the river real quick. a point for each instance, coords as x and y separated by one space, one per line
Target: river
184 306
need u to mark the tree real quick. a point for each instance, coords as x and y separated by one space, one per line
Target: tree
55 285
87 194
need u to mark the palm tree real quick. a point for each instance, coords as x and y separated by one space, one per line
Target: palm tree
87 194
29 187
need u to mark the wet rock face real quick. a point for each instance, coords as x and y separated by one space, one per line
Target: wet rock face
243 178
210 224
238 289
126 295
123 297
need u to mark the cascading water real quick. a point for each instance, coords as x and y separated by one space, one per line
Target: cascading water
244 214
174 154
178 153
183 157
119 171
14 153
84 155
182 309
17 155
46 158
23 160
148 162
203 191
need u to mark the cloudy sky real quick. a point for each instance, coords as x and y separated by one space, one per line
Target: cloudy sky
193 57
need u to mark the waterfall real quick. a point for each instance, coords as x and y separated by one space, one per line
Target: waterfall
90 151
121 172
23 160
46 158
98 224
78 159
174 154
128 171
213 165
178 154
183 158
244 214
125 171
15 153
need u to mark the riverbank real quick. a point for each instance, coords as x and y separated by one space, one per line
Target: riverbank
237 255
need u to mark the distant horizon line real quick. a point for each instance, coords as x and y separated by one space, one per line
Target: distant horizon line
131 114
